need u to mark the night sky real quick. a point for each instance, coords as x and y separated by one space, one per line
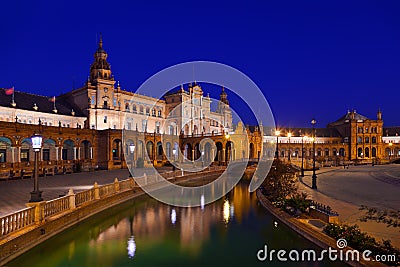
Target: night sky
310 58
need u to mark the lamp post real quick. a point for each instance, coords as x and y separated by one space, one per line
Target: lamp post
277 133
36 195
314 176
132 150
289 135
302 155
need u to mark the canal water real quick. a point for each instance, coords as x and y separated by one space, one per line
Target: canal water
145 232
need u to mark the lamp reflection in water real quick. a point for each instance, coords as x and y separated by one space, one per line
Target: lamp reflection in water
226 211
202 202
131 247
173 216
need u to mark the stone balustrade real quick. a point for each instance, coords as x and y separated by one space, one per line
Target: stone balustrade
39 212
17 220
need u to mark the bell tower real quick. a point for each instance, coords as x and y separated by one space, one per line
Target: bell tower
100 68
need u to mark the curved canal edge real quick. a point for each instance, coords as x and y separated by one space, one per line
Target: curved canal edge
21 241
320 239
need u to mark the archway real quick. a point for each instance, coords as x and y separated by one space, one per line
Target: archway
367 152
5 146
48 150
188 151
117 149
251 151
373 152
197 152
159 151
68 150
86 149
218 156
228 151
149 149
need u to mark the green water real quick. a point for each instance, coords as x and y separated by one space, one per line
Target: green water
144 232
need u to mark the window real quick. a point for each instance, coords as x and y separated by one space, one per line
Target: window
366 129
46 154
359 152
129 126
153 112
157 127
25 155
373 152
373 139
134 108
127 108
359 139
141 109
367 140
105 104
93 100
326 152
159 113
147 111
115 102
144 125
105 119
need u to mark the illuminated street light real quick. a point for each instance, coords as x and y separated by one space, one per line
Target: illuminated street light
36 195
314 176
132 150
277 133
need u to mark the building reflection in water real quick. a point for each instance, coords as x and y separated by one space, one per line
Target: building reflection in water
151 222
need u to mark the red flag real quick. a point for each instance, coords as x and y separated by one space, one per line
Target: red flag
52 99
9 91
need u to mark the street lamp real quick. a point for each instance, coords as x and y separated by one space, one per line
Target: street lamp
277 133
289 135
132 150
302 155
36 195
314 176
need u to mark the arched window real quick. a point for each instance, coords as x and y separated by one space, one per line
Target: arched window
127 108
373 152
373 139
141 109
147 111
159 113
359 140
367 140
134 108
367 152
153 112
360 152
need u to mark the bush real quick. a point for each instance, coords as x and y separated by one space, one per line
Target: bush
361 240
299 202
139 163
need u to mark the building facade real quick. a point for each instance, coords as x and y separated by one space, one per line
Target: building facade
351 138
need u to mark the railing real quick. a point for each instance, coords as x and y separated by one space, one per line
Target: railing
84 196
56 206
40 211
106 190
16 221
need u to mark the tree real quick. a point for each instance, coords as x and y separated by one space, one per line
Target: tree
280 182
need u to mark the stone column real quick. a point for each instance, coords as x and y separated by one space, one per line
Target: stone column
19 154
79 152
116 185
96 191
12 154
74 153
56 153
91 152
71 196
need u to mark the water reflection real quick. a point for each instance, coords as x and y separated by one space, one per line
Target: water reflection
169 236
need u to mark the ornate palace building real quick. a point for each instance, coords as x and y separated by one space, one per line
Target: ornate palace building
83 130
353 138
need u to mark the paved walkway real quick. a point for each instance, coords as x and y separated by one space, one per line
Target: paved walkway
15 193
345 190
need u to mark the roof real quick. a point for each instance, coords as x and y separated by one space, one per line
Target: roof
320 132
391 131
348 116
26 101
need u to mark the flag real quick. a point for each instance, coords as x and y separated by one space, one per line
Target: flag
9 91
52 99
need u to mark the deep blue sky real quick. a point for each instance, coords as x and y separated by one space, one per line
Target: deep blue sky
310 58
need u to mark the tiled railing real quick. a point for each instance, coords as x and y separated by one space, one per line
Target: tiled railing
40 211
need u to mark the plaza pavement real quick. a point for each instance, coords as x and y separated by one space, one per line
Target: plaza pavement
14 194
345 190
